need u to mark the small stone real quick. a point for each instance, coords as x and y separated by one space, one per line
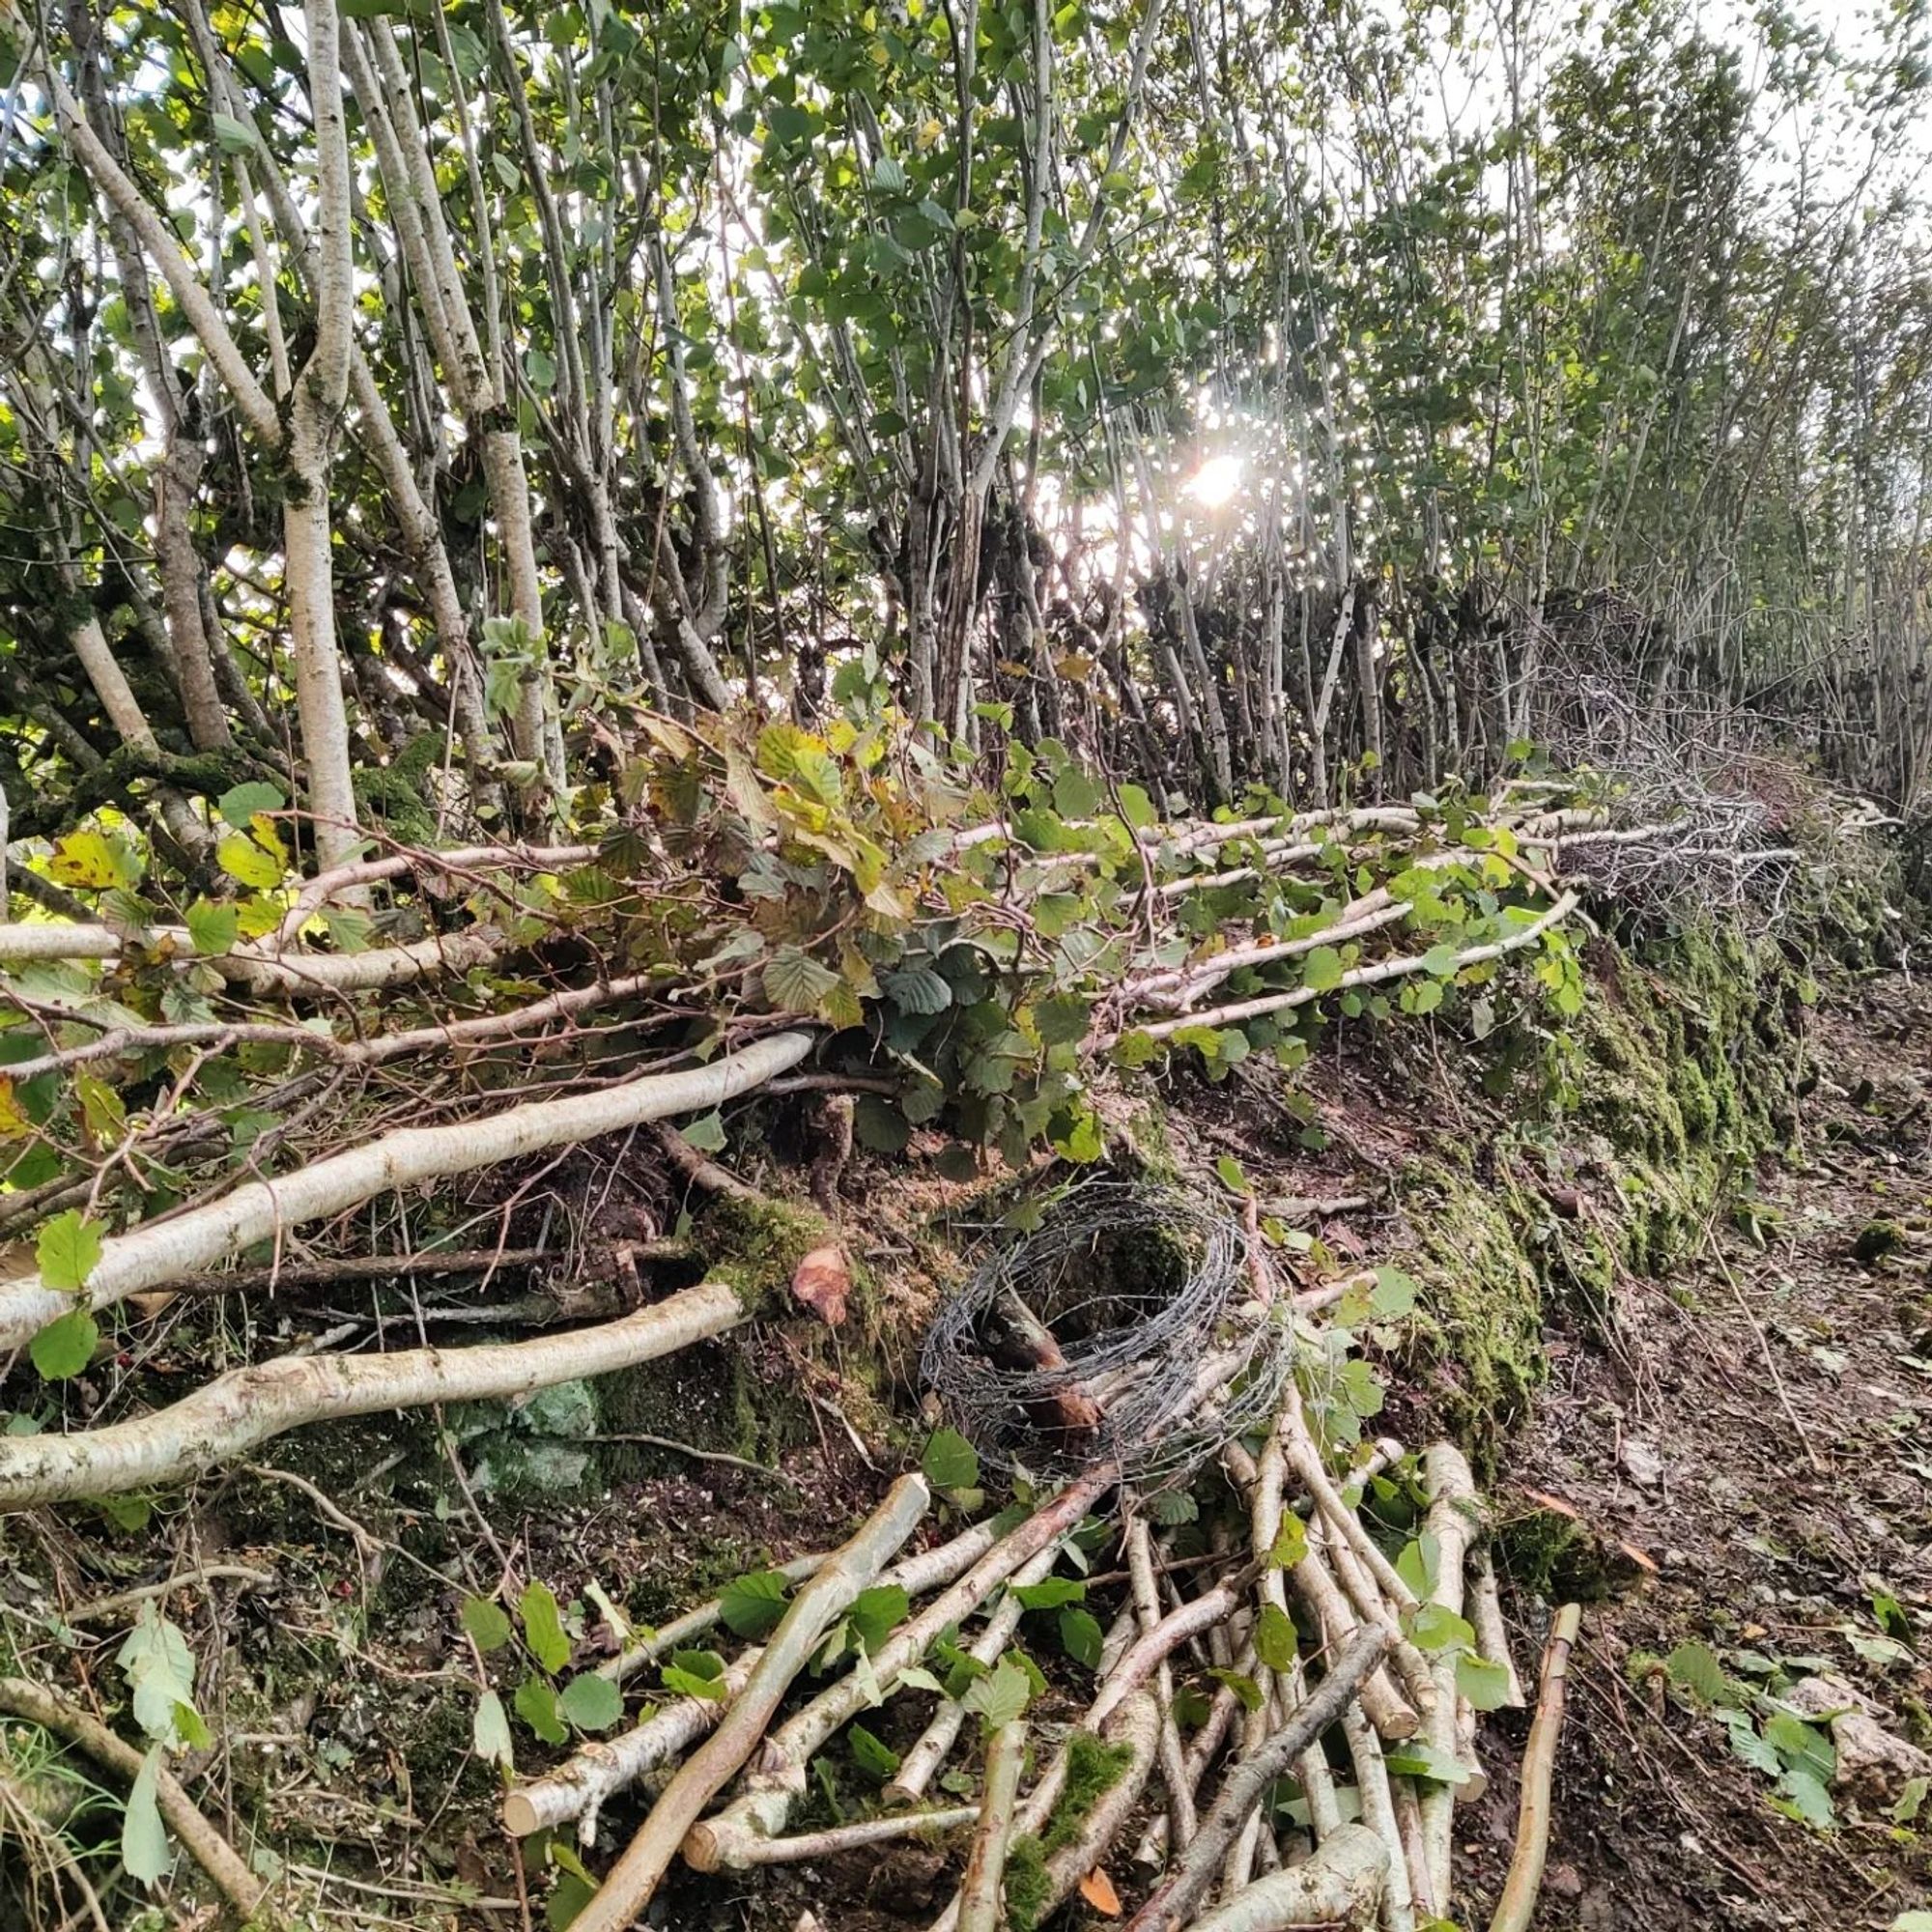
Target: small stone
1641 1462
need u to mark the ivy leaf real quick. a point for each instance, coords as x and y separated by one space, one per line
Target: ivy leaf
68 1251
752 1605
950 1462
144 1839
490 1732
1393 1295
590 1702
872 1755
542 1627
795 982
486 1622
1001 1695
66 1346
1274 1638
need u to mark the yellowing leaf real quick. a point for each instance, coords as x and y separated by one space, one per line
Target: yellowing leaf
86 859
240 858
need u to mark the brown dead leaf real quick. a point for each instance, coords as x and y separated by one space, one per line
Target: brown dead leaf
1098 1889
822 1281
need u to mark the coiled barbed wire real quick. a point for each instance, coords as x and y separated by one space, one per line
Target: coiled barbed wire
1147 1293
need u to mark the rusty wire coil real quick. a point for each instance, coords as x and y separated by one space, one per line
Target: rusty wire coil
1143 1290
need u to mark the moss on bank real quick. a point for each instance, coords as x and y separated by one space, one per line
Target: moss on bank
1633 1121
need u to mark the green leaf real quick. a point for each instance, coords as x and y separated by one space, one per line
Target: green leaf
918 989
1484 1684
880 1125
1747 1745
213 927
1247 1693
1274 1638
486 1622
1291 1545
876 1612
66 1346
144 1840
1418 1564
240 803
160 1672
1050 1593
1393 1295
1233 1177
872 1755
542 1627
1802 1796
490 1732
536 1706
1433 1628
590 1702
1061 1019
752 1605
950 1462
795 982
232 136
1912 1921
1001 1695
240 858
1695 1666
68 1250
1080 1637
695 1673
1803 1746
1413 1758
1321 970
1440 961
706 1133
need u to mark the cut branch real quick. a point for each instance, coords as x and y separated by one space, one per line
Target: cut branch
193 1242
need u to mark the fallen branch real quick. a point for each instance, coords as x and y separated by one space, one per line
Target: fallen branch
210 1850
157 1252
1341 1885
1485 1618
1518 1904
986 1862
854 1837
633 1881
1451 1523
578 1787
1172 1906
247 1405
723 1844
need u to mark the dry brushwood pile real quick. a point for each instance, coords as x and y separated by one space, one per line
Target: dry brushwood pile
223 1104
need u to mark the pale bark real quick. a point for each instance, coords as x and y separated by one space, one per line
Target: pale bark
1339 1886
247 1405
157 1252
1451 1523
1518 1904
210 1850
633 1881
1172 1906
761 1811
986 1862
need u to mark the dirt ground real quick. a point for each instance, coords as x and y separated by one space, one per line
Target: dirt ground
1762 1435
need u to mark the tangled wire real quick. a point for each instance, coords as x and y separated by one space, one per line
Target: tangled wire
1126 1327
